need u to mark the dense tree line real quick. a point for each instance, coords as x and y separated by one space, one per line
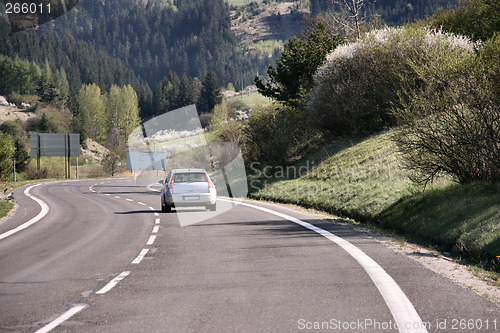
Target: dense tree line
188 37
80 61
392 12
107 117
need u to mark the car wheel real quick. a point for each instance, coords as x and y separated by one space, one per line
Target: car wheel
165 208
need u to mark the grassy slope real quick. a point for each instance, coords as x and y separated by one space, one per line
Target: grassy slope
366 181
5 207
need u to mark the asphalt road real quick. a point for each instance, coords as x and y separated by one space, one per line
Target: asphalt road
105 259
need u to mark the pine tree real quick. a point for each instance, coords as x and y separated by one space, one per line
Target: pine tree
210 94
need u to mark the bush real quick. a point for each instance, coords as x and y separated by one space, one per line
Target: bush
33 173
453 126
477 19
50 167
361 82
274 133
114 161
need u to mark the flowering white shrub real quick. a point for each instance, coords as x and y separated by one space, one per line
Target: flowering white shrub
361 82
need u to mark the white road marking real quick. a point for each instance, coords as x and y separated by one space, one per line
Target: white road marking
141 255
151 240
59 320
113 283
151 208
156 214
129 200
107 194
400 306
157 221
43 212
117 197
149 187
155 229
141 203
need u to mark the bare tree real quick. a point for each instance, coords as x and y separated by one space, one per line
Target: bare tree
353 7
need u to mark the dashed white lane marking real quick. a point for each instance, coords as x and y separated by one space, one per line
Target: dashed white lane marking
38 217
151 208
141 256
129 200
402 310
141 203
157 221
113 283
117 197
59 320
156 214
151 240
107 194
155 229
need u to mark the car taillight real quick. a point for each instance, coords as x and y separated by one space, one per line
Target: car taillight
210 184
171 184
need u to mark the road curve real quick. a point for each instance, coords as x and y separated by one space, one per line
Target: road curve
104 253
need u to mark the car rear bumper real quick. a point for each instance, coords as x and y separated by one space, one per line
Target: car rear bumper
191 199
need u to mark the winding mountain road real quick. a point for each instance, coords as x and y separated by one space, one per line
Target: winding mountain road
102 258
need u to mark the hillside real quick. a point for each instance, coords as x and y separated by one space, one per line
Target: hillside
12 113
363 179
81 62
392 12
155 37
266 22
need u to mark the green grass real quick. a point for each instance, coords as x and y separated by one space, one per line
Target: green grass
359 180
364 180
466 217
254 99
5 207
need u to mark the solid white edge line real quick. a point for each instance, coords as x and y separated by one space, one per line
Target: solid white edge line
141 255
155 229
59 320
38 217
400 306
112 283
151 240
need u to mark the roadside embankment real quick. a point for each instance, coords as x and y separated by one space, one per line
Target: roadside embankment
366 181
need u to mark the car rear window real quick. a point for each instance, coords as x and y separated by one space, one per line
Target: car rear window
190 178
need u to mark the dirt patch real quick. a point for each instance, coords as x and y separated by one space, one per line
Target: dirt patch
277 21
94 150
12 113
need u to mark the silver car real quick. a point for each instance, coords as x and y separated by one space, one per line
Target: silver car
188 188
